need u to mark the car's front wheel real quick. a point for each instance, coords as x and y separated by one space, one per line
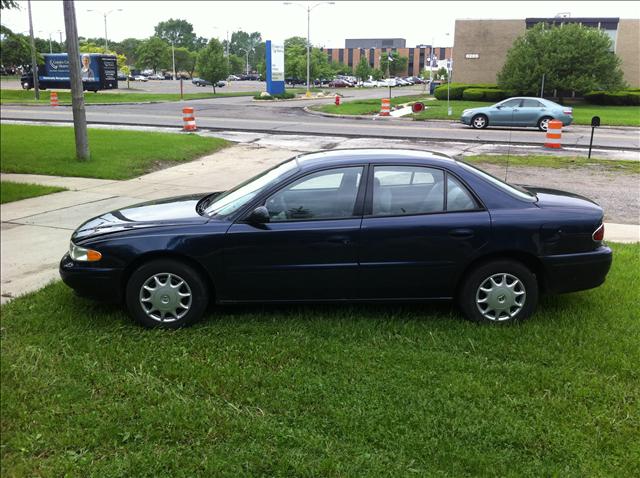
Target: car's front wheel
543 123
500 291
166 293
479 121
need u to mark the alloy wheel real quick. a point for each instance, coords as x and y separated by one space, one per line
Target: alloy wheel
479 122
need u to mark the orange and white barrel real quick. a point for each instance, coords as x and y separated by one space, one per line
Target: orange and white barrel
53 99
554 135
189 119
385 107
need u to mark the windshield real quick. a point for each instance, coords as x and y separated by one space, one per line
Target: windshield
233 199
511 189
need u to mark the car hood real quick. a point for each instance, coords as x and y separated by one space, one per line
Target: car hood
556 198
163 212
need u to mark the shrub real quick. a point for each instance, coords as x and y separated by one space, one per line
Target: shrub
456 90
486 94
282 96
618 98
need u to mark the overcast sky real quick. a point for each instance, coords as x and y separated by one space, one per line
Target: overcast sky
417 22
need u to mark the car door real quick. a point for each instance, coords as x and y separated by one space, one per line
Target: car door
308 250
505 113
530 111
416 233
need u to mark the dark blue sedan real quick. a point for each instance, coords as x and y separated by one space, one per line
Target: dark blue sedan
351 225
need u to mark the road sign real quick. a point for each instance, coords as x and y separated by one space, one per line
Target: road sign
275 68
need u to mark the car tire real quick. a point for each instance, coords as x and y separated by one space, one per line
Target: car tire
543 123
166 293
479 121
499 292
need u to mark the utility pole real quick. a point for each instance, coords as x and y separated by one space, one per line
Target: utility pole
173 59
77 93
34 60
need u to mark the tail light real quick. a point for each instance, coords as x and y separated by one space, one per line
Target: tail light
598 234
568 112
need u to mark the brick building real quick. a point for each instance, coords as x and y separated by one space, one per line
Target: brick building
418 57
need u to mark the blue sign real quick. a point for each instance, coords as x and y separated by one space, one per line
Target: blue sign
56 67
275 68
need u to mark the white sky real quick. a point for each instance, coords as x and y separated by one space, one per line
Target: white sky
417 22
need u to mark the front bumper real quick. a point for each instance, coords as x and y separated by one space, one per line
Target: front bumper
91 281
574 272
465 120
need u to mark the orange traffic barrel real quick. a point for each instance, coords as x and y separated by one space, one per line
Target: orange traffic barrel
385 107
53 99
554 135
189 119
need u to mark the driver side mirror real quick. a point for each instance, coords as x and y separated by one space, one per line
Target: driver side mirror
499 107
259 215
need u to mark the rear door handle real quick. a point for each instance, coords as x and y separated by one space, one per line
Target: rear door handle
461 233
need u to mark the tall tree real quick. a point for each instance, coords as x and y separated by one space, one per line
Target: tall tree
180 32
363 70
212 64
241 42
571 58
397 65
14 49
153 53
236 64
128 48
185 60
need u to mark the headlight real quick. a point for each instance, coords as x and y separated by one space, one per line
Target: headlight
465 112
81 254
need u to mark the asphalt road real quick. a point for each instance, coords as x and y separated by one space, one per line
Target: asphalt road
245 114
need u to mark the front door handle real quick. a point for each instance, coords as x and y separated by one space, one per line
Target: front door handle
461 233
339 240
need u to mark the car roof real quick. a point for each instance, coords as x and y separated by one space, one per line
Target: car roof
371 155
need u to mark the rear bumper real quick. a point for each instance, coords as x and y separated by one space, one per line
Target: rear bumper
574 272
95 283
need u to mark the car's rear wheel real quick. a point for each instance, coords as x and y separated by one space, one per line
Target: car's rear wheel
500 291
166 293
543 123
479 121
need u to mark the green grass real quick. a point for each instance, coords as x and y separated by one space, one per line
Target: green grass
64 97
10 191
582 113
114 154
330 391
550 161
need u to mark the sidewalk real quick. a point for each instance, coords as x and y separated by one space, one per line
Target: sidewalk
36 231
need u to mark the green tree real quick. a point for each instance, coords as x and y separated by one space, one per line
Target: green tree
185 60
441 74
377 74
571 58
212 64
236 64
295 57
153 53
241 41
363 70
15 49
397 66
180 32
128 48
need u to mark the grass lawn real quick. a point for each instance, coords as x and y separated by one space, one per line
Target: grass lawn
114 154
550 161
64 97
582 113
367 390
10 191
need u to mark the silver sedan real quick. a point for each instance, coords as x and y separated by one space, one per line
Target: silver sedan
521 111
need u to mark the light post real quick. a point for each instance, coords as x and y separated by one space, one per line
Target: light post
105 14
308 8
50 45
173 59
246 50
449 65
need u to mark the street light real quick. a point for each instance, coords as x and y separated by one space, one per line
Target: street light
308 8
246 50
104 14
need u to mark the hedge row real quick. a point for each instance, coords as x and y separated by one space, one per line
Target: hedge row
620 98
484 94
456 90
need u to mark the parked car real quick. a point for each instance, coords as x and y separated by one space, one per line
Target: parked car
388 82
156 76
232 78
377 224
122 77
295 81
522 111
338 83
401 82
417 80
200 82
369 84
168 76
140 78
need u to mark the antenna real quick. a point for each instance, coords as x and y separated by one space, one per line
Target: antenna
506 171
